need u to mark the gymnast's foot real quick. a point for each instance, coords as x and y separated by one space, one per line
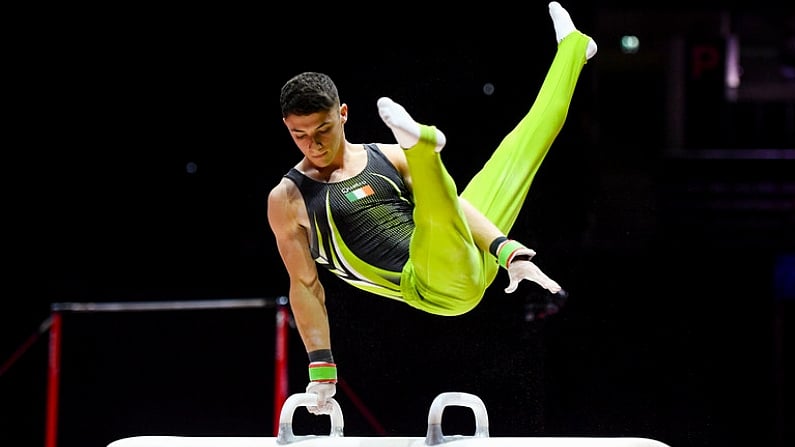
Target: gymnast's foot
565 26
407 131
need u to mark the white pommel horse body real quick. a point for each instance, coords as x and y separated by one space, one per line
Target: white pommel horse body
336 438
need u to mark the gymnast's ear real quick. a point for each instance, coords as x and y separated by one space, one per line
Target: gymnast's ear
344 112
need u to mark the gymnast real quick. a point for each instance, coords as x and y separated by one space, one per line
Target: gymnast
387 218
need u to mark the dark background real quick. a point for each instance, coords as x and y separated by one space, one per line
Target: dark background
666 208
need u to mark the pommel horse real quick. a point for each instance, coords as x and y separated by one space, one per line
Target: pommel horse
434 436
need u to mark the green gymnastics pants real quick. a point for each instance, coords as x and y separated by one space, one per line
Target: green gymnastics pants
447 274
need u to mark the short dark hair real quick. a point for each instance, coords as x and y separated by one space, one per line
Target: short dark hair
307 93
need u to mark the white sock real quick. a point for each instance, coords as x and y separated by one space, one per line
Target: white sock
564 26
405 129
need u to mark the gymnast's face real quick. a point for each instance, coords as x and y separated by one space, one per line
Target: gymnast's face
321 135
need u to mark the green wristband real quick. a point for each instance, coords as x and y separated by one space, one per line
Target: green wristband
505 252
323 372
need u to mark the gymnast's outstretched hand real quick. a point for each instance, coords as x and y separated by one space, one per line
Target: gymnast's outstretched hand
521 267
324 391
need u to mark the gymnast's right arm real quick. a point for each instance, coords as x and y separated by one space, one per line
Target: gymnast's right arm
288 221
